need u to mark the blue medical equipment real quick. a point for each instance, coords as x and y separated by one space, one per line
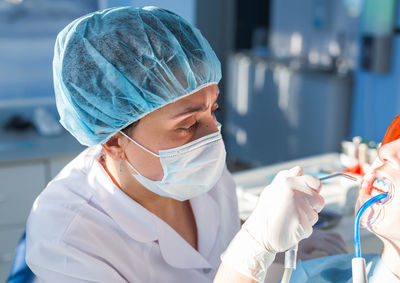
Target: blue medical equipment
20 272
358 262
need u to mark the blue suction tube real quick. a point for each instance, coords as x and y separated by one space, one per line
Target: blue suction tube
363 208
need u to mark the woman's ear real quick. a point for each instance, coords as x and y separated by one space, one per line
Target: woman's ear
115 147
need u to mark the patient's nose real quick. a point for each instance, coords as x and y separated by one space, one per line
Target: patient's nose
390 153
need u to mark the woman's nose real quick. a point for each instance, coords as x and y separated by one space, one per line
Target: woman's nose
208 125
390 153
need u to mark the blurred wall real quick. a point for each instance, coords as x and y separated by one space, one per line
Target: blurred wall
318 30
28 32
27 37
216 21
377 96
184 8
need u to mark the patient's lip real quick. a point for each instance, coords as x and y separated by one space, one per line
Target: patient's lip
367 182
374 183
367 185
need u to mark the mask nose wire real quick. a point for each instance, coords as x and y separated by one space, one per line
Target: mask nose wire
139 145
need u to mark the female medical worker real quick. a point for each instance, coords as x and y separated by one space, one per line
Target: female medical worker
151 200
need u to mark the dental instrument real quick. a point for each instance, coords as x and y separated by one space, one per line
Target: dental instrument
358 263
336 175
291 254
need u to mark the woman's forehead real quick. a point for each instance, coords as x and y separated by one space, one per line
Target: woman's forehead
198 96
196 101
201 96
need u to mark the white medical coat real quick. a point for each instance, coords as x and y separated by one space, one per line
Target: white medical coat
82 228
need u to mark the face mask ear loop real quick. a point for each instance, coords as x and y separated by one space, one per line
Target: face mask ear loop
139 145
133 168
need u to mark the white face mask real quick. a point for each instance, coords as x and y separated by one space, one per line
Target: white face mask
189 170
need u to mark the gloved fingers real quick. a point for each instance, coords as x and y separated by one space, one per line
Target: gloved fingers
312 182
308 181
301 183
309 212
304 206
295 171
309 187
313 198
307 217
307 231
317 202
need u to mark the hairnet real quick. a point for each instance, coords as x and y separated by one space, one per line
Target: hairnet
114 66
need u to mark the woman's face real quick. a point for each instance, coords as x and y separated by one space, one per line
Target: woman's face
383 219
173 125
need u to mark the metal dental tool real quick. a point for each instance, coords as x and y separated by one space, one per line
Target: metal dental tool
338 174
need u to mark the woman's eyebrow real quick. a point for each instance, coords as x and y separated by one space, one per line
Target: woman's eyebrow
194 109
191 110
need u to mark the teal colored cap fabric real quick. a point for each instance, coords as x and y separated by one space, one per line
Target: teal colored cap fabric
114 66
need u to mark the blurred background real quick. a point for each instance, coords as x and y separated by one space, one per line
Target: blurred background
300 77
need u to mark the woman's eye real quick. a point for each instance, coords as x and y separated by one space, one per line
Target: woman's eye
190 128
216 109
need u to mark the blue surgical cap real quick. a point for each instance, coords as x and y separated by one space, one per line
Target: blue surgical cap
114 66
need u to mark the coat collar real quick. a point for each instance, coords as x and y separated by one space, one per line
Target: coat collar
179 253
133 218
143 226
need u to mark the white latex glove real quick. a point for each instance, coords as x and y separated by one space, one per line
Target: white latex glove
285 213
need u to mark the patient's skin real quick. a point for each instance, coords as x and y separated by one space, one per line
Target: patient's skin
387 225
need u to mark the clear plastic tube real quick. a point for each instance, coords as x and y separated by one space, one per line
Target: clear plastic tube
286 275
290 263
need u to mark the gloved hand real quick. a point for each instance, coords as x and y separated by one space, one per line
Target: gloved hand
284 215
286 211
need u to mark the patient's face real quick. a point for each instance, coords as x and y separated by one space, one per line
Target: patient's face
383 219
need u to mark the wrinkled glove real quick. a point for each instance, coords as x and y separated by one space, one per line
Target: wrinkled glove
285 213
